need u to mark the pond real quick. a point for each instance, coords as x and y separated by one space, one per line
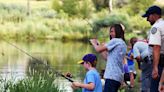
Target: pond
61 56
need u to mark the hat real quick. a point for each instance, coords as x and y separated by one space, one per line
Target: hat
151 10
88 58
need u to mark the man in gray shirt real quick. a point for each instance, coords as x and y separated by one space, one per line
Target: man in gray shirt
142 55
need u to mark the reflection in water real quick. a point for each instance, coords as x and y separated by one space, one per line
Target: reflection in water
61 56
37 66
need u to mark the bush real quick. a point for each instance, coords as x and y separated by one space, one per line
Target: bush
85 8
110 19
74 8
12 12
139 25
45 13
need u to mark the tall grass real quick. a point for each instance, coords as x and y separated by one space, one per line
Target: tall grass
36 83
39 79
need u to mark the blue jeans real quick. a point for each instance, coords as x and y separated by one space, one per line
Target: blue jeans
155 83
111 85
146 76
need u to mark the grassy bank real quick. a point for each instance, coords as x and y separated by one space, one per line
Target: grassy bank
45 23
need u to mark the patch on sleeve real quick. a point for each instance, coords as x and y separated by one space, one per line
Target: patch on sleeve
153 30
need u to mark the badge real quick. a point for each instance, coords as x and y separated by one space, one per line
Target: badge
153 30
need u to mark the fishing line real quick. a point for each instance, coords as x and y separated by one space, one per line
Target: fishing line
53 70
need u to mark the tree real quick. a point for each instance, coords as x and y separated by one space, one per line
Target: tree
136 6
100 4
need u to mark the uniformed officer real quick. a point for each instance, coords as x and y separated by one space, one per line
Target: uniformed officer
156 41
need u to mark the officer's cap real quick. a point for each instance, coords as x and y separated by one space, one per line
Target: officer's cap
152 10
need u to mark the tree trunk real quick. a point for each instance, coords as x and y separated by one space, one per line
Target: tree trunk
28 8
110 5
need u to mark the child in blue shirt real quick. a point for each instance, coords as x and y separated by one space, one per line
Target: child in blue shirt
92 81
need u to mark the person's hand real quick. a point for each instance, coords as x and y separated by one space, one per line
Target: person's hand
131 86
75 85
161 88
131 56
155 73
94 41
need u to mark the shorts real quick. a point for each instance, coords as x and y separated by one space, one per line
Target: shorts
131 68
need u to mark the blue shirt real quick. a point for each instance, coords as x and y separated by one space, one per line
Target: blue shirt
130 62
94 77
116 53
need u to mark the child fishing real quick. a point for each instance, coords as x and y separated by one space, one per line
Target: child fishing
92 80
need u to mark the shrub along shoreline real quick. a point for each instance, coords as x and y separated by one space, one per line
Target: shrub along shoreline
45 23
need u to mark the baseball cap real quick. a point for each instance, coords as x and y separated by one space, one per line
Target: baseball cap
88 58
151 10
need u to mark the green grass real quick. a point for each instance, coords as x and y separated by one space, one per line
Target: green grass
33 4
37 82
46 23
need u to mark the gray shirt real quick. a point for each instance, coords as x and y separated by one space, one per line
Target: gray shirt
141 49
116 53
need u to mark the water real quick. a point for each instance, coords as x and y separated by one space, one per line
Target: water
62 56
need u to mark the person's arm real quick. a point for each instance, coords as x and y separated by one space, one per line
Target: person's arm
139 59
156 55
89 86
130 57
137 55
155 42
161 83
104 55
98 47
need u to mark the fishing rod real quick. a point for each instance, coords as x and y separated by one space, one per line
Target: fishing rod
53 70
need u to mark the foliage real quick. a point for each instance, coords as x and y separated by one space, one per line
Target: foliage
64 24
137 6
85 8
141 27
45 13
110 19
102 4
162 7
12 12
40 0
99 4
120 3
57 5
80 8
133 27
37 82
68 6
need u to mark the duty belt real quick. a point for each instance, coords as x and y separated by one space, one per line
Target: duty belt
161 60
148 59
